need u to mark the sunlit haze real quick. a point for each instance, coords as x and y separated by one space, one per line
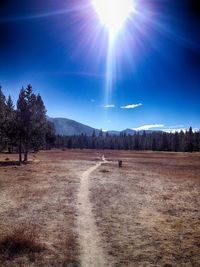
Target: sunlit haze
113 13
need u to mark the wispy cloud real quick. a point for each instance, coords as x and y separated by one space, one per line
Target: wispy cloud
173 130
149 127
162 127
109 106
132 106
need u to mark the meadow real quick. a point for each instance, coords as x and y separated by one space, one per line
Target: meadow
78 208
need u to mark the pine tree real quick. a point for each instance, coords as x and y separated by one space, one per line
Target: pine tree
21 119
153 146
39 122
50 137
164 143
197 141
31 120
189 141
176 142
2 118
10 121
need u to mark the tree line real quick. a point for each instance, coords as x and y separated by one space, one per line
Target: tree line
183 141
25 127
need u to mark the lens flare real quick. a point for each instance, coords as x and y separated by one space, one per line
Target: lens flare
113 13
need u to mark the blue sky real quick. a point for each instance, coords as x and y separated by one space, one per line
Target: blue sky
61 49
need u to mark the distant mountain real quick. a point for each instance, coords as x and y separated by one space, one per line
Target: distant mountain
113 132
70 127
129 131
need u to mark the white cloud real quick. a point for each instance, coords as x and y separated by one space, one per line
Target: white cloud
149 127
132 106
164 128
109 106
173 130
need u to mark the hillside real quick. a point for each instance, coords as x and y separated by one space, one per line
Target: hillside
65 126
69 127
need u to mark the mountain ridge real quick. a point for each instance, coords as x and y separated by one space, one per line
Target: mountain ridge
65 126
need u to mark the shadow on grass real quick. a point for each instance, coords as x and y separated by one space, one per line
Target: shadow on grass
72 264
19 242
8 163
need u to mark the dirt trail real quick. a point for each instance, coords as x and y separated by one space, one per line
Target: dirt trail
90 242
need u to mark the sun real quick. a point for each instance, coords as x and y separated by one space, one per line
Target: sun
113 13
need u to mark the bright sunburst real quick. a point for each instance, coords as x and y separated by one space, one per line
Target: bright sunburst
113 13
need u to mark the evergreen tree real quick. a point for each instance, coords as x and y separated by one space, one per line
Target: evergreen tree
31 121
22 120
176 142
50 137
2 115
189 141
164 144
39 122
197 141
10 122
156 141
153 147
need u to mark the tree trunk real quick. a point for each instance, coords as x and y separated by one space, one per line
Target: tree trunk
20 150
26 153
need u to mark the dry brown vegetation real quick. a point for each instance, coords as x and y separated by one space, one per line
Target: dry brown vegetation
22 240
38 209
147 212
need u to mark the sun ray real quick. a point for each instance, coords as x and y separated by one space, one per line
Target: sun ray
43 15
113 15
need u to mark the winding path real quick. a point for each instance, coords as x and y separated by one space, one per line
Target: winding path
90 242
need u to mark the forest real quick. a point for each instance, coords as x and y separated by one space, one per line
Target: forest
183 141
25 128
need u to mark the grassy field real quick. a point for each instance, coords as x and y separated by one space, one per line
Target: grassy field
146 213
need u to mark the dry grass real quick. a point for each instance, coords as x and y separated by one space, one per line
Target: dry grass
148 211
45 193
22 240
